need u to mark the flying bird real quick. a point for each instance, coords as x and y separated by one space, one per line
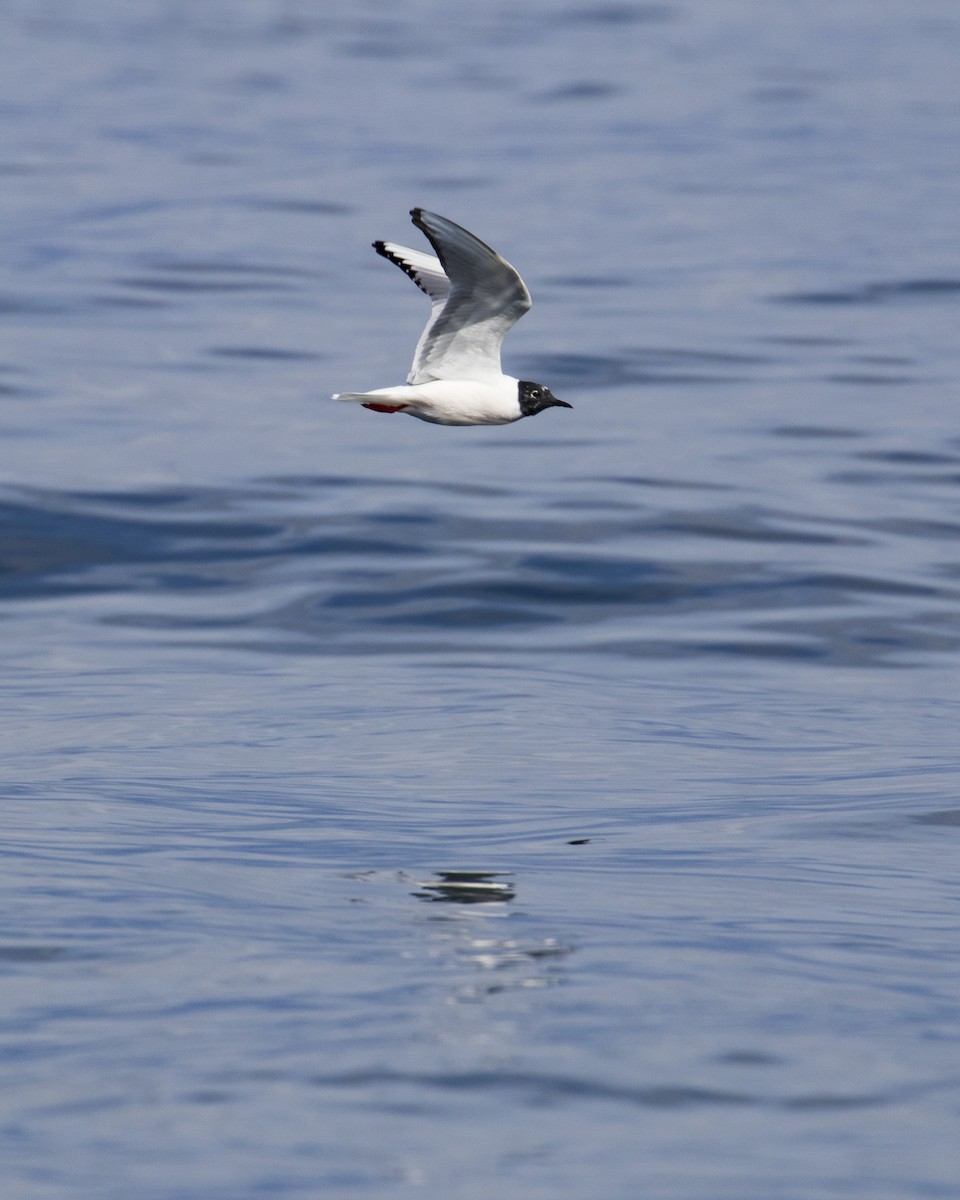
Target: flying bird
477 297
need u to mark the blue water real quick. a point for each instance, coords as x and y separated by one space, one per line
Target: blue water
681 665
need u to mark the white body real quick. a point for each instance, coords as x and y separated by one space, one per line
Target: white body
449 401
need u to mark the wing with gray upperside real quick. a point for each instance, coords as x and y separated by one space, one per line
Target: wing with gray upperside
486 298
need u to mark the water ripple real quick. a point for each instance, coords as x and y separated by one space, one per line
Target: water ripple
880 292
538 1088
407 571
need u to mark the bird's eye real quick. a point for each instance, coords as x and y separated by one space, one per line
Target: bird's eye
535 394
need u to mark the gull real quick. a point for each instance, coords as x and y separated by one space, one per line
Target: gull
477 297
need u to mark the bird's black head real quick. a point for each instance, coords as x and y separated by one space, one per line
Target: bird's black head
534 398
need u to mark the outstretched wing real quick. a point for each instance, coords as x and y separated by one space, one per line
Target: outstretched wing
477 297
427 273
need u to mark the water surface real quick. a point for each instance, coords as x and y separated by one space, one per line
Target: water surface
676 670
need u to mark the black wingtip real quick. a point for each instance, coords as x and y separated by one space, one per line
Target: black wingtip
417 215
384 250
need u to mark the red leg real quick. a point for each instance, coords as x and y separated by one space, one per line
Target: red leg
386 407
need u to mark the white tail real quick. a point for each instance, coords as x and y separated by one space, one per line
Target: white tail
352 397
